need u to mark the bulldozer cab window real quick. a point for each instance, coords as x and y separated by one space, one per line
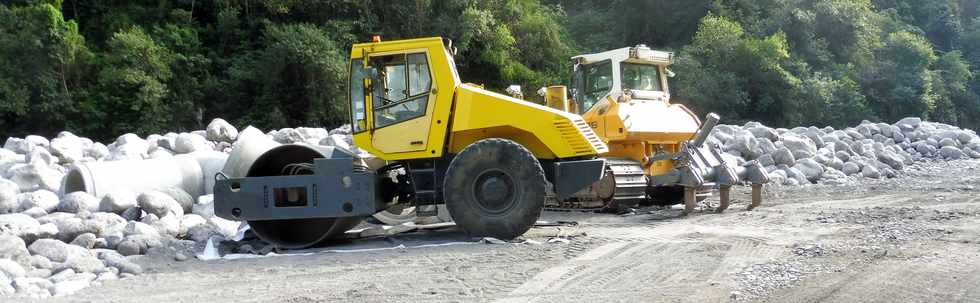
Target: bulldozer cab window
401 90
641 77
357 107
597 80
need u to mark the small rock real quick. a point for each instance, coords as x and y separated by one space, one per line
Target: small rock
204 206
182 197
784 156
948 142
17 145
951 152
909 124
33 286
189 143
11 269
86 240
190 221
810 168
40 262
96 151
78 201
851 168
119 262
45 199
57 251
19 225
221 130
117 201
8 196
168 225
133 214
129 248
139 228
869 171
159 204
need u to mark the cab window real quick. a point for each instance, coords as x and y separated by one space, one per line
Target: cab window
357 107
641 77
597 81
400 88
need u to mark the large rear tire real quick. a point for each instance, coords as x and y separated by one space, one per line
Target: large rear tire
495 188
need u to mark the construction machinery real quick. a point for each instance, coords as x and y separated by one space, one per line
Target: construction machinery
491 159
658 151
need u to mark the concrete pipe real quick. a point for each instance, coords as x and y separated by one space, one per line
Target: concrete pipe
295 233
251 144
191 172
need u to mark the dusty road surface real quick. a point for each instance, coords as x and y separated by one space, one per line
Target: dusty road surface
915 238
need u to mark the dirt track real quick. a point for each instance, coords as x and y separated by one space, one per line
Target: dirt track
911 239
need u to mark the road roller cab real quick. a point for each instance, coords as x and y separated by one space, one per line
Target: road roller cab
489 157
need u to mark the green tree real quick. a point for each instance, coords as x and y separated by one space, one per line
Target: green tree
902 84
724 70
42 64
132 90
297 78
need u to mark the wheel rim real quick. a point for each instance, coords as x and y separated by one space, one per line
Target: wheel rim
494 191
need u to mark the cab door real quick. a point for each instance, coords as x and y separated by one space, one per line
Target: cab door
401 101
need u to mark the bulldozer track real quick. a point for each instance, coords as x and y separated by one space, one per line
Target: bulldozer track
630 185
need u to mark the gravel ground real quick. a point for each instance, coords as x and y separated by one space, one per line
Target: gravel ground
914 238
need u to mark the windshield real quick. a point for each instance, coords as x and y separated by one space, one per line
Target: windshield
598 81
641 77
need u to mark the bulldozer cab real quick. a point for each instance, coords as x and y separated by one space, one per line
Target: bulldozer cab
638 71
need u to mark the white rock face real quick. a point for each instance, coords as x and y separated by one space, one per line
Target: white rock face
43 199
221 131
117 202
96 151
17 145
128 147
8 196
30 177
870 150
189 142
78 201
68 148
159 204
190 221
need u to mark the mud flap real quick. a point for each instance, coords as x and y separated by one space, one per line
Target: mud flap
569 177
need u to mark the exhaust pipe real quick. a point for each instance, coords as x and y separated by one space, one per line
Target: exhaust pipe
709 123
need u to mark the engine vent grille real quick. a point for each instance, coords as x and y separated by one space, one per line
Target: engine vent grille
580 136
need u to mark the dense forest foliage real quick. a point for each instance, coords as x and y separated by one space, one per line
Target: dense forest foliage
102 68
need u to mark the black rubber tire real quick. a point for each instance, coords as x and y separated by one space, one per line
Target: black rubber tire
488 164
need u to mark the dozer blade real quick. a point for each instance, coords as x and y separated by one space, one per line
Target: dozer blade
699 164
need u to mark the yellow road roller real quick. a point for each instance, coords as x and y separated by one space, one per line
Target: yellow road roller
490 158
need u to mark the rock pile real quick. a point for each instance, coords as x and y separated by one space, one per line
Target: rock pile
55 243
805 155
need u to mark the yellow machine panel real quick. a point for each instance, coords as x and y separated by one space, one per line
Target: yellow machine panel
402 126
547 132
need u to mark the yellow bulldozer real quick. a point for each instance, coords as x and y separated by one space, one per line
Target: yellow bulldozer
658 154
490 158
